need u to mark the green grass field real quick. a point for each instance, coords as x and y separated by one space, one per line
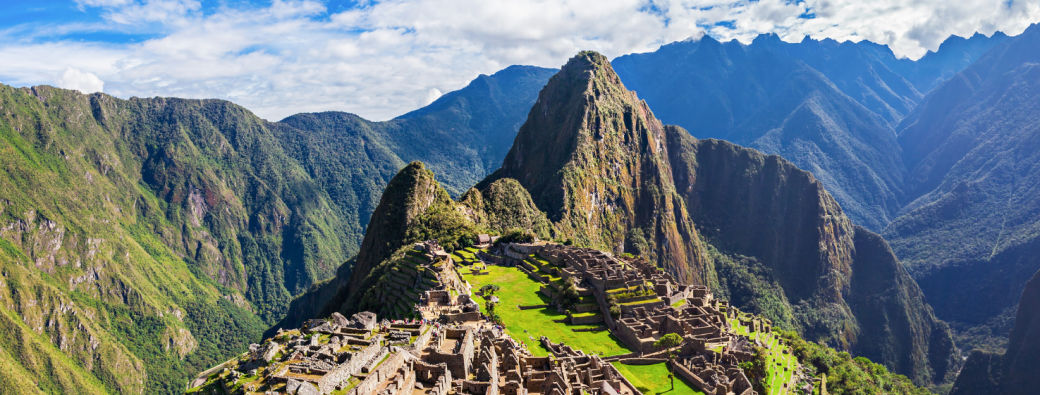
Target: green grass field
653 380
518 289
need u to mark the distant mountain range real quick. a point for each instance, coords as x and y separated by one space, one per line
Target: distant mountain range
145 238
608 174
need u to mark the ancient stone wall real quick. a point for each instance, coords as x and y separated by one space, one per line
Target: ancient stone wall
382 373
593 319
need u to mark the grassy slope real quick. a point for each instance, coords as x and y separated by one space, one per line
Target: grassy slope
519 289
127 238
529 325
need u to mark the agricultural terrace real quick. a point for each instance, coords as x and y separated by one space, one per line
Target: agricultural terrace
780 357
528 325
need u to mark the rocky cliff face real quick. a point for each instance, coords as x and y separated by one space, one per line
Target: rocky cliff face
595 159
1017 372
766 97
841 283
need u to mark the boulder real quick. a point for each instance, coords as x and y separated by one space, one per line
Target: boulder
308 389
364 320
291 386
340 320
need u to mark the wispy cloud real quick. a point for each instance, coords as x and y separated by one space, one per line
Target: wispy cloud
380 59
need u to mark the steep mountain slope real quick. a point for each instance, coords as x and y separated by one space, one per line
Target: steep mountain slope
838 283
180 228
593 157
410 193
462 136
759 96
413 208
134 231
970 230
605 165
1016 372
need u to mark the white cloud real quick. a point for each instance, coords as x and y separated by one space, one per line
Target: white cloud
432 95
86 82
389 57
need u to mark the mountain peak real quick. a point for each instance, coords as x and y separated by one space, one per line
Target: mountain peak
588 147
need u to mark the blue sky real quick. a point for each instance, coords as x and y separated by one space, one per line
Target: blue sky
380 59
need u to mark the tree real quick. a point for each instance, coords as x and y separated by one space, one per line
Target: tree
569 294
489 289
669 342
615 308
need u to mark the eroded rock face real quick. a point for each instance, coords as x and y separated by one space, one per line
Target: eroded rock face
594 158
1022 360
1017 372
365 320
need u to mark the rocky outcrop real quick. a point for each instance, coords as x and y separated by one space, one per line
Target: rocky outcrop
595 159
503 205
1017 372
842 282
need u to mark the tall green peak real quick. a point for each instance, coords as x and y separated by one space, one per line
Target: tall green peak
593 157
414 207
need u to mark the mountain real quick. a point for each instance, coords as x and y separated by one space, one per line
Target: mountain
1017 371
855 70
594 158
463 136
968 232
145 238
409 195
609 175
760 97
954 54
827 106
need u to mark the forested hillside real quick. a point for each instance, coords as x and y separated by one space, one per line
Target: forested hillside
609 175
969 231
146 238
828 107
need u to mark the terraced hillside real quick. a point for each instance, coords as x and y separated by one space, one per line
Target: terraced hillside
143 238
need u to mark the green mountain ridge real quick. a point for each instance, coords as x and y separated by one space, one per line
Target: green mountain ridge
609 175
146 238
968 232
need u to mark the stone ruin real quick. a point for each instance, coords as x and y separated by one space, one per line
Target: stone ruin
363 355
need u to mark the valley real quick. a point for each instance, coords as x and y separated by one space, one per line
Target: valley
863 223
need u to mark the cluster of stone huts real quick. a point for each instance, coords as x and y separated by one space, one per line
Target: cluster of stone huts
462 354
360 356
651 304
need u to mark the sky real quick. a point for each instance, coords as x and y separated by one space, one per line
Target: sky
381 59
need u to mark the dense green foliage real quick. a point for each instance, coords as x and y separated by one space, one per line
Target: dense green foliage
848 375
140 234
970 226
749 286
